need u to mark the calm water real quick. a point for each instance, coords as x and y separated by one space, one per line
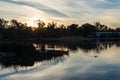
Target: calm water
68 61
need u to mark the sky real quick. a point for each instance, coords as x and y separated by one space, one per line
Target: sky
62 11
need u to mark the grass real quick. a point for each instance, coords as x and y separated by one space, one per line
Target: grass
73 38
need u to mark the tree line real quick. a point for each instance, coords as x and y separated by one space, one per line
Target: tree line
14 29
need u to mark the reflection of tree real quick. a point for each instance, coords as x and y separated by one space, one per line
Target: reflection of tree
96 47
88 45
27 55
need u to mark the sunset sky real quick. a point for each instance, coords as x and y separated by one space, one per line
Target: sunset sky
62 11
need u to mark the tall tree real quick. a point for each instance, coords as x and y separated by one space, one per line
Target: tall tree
40 24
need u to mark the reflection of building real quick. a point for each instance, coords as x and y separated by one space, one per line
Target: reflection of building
98 34
105 34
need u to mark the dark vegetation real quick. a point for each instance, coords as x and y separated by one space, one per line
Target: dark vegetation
13 53
12 30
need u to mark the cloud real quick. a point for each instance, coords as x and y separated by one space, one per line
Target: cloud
39 7
71 11
109 5
10 13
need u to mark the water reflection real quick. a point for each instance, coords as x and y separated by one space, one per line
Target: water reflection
95 45
27 54
88 60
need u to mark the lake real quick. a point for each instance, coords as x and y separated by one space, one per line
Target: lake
88 60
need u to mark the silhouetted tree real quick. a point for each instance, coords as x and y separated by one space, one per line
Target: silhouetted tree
40 24
16 30
3 23
87 29
101 27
